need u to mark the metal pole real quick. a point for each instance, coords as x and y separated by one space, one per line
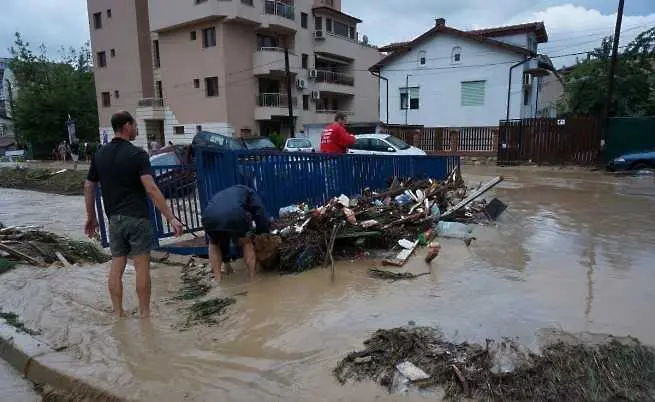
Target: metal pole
380 77
536 103
509 86
407 95
289 99
615 54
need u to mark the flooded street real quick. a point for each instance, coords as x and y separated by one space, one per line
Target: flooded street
13 387
573 251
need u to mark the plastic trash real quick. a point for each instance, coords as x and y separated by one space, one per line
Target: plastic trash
369 223
411 371
344 200
433 252
453 230
350 216
291 209
378 203
435 212
403 199
406 244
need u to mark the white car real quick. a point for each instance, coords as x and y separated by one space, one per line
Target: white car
298 145
382 144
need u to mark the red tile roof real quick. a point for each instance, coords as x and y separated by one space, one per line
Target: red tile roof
537 28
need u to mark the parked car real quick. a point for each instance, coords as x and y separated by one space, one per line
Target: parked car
174 172
298 145
258 144
382 144
215 140
633 161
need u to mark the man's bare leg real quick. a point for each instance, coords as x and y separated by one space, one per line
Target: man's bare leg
215 260
115 284
249 257
143 286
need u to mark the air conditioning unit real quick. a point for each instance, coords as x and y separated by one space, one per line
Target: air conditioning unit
313 73
316 95
300 84
318 35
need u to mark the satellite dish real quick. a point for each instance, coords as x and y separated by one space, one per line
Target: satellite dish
365 39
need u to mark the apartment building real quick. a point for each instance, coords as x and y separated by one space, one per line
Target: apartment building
219 65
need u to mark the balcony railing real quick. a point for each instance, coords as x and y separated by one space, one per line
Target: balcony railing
280 9
275 100
334 111
151 102
332 77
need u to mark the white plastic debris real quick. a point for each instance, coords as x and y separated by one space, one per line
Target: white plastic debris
406 244
344 200
411 371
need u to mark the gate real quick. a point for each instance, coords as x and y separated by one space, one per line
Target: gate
279 178
574 140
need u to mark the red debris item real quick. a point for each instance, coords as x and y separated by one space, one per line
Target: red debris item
433 252
350 216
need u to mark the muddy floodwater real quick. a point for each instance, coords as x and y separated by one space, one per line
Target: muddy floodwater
574 251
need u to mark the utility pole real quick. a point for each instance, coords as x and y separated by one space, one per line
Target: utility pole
615 55
292 126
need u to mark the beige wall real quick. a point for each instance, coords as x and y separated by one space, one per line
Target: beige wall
126 72
336 4
240 42
182 61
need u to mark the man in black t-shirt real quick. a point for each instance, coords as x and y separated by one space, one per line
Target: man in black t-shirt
126 180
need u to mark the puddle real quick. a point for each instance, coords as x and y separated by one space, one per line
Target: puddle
574 251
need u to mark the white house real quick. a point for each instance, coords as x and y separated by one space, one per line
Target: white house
452 78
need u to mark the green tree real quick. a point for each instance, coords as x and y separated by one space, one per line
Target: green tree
48 91
634 88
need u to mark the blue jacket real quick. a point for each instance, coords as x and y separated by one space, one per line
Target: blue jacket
233 210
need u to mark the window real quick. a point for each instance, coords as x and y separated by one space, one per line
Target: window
200 1
303 20
178 130
305 102
117 94
351 32
160 90
112 52
526 96
397 142
247 2
379 145
328 24
473 93
318 23
193 35
457 55
363 144
422 58
341 29
409 98
97 20
102 59
196 83
155 51
305 60
209 37
211 86
109 13
106 99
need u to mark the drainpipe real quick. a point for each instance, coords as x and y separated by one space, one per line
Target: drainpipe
408 100
509 88
380 77
536 103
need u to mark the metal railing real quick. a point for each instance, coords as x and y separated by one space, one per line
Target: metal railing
334 111
274 100
332 77
280 9
151 102
273 49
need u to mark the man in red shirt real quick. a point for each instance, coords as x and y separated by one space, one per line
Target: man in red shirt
335 139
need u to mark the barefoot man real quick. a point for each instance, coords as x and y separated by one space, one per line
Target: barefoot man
229 216
125 176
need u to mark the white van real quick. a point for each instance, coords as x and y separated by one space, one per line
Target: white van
382 144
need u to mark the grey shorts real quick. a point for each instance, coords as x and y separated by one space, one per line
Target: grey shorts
129 236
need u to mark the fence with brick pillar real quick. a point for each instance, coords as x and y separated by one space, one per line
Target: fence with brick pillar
465 141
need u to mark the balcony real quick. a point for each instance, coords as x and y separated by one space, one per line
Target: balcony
337 45
279 15
271 105
151 109
327 115
335 82
270 61
171 14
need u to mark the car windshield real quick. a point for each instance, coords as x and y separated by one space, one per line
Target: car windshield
169 159
299 143
259 143
397 142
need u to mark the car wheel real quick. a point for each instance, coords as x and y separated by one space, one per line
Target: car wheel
642 166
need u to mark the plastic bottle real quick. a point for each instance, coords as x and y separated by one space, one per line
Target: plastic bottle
453 230
291 209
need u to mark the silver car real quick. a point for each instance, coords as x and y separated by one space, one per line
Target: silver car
298 145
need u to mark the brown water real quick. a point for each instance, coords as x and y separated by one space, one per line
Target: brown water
574 251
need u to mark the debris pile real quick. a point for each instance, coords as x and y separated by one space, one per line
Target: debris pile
62 181
30 245
395 221
401 358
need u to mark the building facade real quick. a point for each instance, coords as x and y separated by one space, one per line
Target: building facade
219 65
7 94
452 78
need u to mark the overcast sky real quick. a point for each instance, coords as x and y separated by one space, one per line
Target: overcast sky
573 25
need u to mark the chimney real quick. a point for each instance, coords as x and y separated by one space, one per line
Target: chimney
440 22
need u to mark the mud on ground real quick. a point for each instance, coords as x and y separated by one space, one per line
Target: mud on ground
612 371
70 182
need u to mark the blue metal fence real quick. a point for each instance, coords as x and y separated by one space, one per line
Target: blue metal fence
281 179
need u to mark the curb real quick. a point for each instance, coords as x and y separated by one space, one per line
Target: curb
30 357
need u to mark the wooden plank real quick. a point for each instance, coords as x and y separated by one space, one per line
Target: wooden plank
476 194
